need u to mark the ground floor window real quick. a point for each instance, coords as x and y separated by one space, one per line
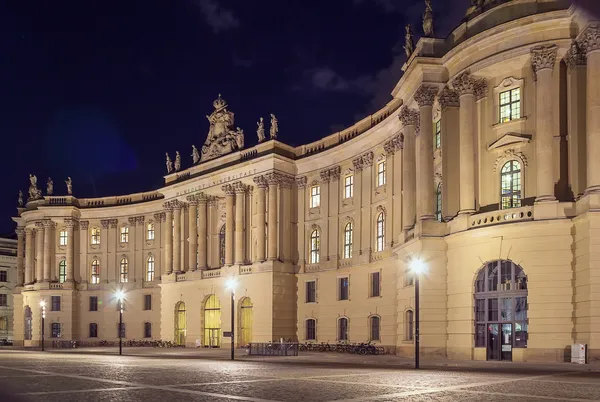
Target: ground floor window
147 330
311 329
343 329
93 330
55 330
374 324
28 324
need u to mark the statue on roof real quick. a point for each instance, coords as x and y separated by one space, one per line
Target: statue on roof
428 19
49 186
195 154
274 130
169 163
20 200
222 138
69 184
34 192
177 161
260 131
409 45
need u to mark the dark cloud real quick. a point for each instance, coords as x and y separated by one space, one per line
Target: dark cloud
387 6
216 16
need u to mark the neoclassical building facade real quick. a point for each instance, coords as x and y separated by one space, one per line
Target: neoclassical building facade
482 167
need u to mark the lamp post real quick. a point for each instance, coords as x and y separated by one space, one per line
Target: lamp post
231 284
417 267
120 296
43 306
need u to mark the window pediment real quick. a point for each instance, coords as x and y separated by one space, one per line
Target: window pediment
509 139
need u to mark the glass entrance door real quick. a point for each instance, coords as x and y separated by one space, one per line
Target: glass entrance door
506 342
214 340
493 346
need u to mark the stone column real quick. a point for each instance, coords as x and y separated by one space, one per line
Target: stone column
272 180
591 45
202 200
168 236
543 59
395 179
70 224
465 85
28 256
229 222
20 269
410 120
285 185
425 97
240 190
193 232
177 205
301 183
39 251
48 224
261 185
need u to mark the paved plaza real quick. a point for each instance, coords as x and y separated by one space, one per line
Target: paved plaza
171 375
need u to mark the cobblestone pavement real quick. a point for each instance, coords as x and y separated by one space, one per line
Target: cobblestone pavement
89 376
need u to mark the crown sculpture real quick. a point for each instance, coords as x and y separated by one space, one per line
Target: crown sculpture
222 139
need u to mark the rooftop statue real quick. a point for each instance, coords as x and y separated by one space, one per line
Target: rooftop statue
69 184
169 163
428 19
274 130
177 161
260 131
34 192
221 139
49 186
20 200
409 46
195 154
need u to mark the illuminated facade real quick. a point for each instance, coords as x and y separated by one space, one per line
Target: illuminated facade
482 166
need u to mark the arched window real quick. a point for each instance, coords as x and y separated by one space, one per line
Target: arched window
438 202
222 246
409 325
380 232
150 269
348 240
212 322
180 323
311 329
315 245
343 329
124 234
501 309
95 236
95 276
62 238
245 321
150 231
375 327
124 270
62 271
510 181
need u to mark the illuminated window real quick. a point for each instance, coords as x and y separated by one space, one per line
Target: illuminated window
95 277
150 269
381 173
348 230
315 244
375 325
55 330
438 202
124 270
3 324
150 231
349 186
62 271
62 238
380 232
124 234
510 105
315 196
95 236
438 134
510 180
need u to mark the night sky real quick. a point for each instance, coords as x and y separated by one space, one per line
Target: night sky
99 90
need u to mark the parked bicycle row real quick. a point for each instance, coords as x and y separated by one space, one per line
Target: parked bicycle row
356 348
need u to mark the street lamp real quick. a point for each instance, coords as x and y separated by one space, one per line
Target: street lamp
43 306
417 267
120 296
231 284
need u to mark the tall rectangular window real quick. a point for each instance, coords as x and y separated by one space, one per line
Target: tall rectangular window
95 236
93 303
55 330
62 238
147 302
315 196
381 173
3 300
55 303
438 134
343 288
124 234
375 284
311 292
150 231
311 329
3 276
147 330
349 186
93 330
510 105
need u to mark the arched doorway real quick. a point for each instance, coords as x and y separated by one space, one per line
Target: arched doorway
212 322
501 309
245 321
28 330
180 323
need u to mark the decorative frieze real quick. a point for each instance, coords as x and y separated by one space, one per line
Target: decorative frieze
464 83
84 225
408 116
160 216
104 223
543 57
301 181
575 56
480 89
448 98
425 95
590 39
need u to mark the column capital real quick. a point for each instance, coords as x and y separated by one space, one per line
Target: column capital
160 217
84 225
330 174
590 39
448 98
113 223
70 223
39 224
368 159
131 220
279 179
192 199
575 56
393 145
260 181
174 204
212 201
240 188
543 57
228 189
425 95
325 176
20 232
481 89
105 223
140 220
28 231
48 223
408 116
464 83
301 181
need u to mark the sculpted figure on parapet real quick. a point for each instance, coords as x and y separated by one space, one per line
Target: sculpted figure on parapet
260 131
221 139
428 19
34 192
20 200
177 161
274 130
169 163
409 45
49 186
195 155
69 184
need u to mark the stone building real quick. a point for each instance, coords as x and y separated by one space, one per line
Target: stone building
8 282
482 166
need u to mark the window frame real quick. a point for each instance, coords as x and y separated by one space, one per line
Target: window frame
150 231
124 235
409 325
346 329
308 329
315 196
95 326
95 271
381 173
96 236
150 269
147 330
510 195
510 103
343 290
373 329
124 270
348 240
3 300
94 304
372 286
62 271
315 247
308 292
147 302
380 232
63 238
3 275
55 303
349 186
55 330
